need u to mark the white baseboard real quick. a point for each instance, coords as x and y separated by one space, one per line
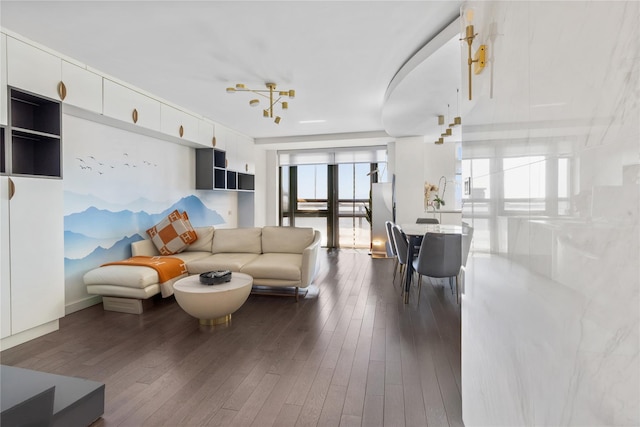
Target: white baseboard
28 335
82 304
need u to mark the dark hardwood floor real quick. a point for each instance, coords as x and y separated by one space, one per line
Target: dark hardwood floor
354 355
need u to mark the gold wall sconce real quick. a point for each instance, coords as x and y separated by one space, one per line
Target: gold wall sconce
479 59
272 93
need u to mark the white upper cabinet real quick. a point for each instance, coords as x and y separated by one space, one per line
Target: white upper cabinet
83 87
239 152
32 69
221 134
3 80
130 106
244 148
179 124
206 134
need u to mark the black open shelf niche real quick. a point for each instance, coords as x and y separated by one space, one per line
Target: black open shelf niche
35 135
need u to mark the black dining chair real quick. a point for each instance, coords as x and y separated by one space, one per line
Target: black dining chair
427 221
402 248
440 256
392 246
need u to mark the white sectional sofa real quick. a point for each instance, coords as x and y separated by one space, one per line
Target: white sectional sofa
276 257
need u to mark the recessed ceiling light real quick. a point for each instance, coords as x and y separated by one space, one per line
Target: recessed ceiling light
311 121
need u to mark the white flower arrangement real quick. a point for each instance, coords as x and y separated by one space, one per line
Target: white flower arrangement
438 200
428 188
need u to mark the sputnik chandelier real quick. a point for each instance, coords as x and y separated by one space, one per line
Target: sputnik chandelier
272 93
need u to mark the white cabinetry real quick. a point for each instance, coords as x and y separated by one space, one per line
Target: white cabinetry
5 275
130 106
83 87
246 155
221 133
33 250
240 153
3 79
178 124
37 252
206 134
31 221
32 69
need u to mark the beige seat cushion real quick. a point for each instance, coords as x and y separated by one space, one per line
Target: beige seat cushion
228 261
130 276
275 266
188 257
237 240
291 240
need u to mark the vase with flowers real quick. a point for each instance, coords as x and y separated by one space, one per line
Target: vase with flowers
438 198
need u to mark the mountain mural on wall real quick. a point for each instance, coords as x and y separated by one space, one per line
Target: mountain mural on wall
96 236
120 250
78 245
102 223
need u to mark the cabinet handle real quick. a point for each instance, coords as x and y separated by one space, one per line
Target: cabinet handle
213 141
181 132
226 163
12 189
246 167
134 115
62 90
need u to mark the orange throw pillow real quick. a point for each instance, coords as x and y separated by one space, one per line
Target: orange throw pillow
173 234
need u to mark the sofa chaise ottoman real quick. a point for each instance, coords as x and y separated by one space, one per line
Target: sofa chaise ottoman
277 258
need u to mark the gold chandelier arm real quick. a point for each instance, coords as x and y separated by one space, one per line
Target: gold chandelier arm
269 93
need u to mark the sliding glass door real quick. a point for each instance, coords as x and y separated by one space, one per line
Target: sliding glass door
333 199
354 189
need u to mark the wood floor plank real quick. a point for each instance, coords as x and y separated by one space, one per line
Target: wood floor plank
247 387
373 414
393 405
332 408
414 410
222 418
276 400
354 355
350 421
375 378
288 416
314 402
247 413
354 399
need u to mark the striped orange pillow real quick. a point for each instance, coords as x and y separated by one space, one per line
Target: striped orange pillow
173 234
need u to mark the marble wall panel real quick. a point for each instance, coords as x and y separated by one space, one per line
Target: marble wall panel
551 143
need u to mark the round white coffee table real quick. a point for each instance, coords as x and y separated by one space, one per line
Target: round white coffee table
213 304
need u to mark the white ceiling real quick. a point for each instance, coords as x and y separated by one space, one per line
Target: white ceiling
339 56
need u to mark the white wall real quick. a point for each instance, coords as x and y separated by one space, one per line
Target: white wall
409 170
272 188
440 161
259 196
550 330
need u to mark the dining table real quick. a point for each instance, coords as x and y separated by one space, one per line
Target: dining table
415 233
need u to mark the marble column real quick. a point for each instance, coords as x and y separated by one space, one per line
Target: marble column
551 145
